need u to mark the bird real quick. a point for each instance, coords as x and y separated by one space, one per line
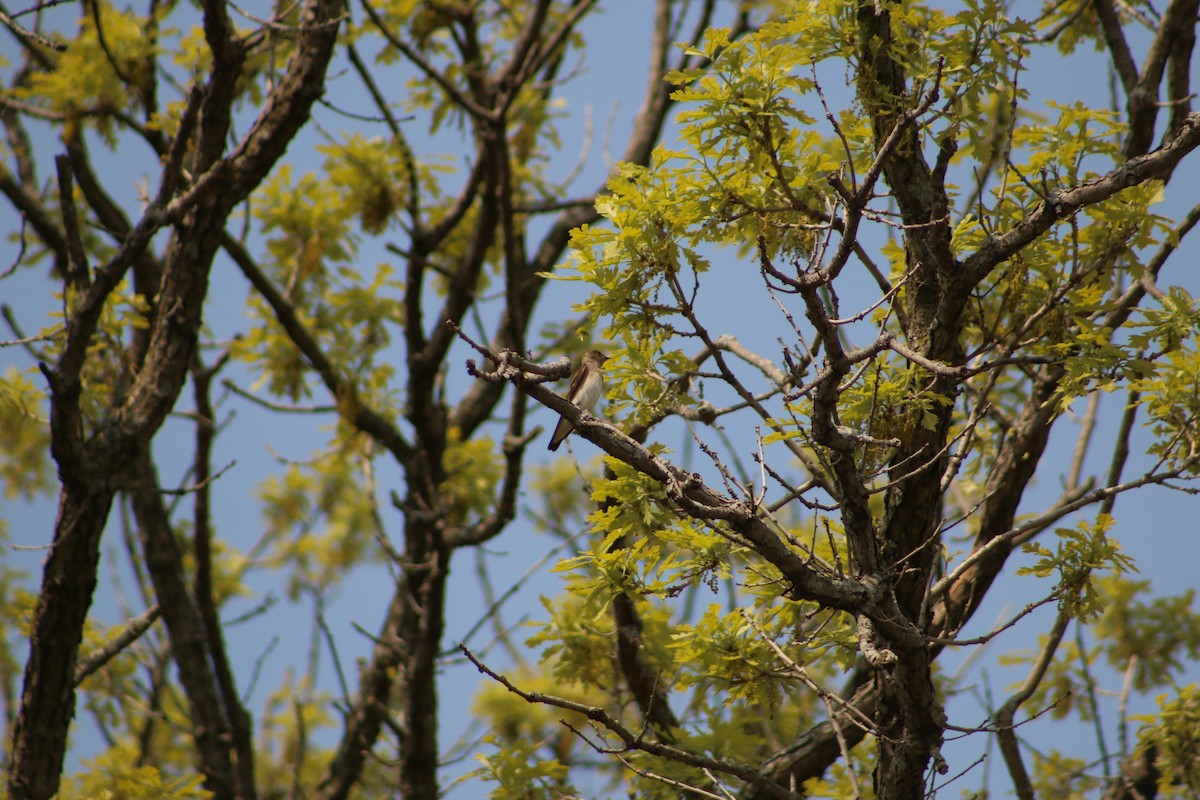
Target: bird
586 387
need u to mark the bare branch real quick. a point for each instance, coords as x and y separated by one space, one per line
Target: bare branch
1005 731
688 491
132 631
1066 202
632 741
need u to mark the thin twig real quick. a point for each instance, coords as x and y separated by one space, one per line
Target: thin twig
127 636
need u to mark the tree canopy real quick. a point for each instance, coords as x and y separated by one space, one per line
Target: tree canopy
896 321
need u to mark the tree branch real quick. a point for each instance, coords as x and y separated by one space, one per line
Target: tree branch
1005 728
688 491
632 741
1064 203
132 631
